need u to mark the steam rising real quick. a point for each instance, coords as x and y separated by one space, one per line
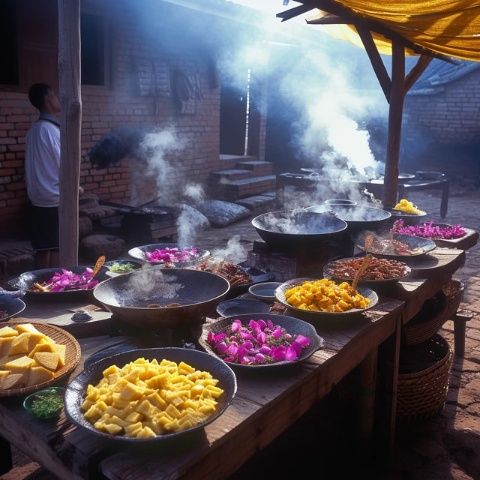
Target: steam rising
148 285
331 86
234 252
156 148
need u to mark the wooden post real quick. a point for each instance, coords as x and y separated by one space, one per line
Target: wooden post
70 127
395 113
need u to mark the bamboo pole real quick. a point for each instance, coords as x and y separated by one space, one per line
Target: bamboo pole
70 127
395 113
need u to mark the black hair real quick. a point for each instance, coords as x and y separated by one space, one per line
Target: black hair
37 94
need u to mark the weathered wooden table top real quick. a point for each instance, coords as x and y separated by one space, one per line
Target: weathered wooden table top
263 407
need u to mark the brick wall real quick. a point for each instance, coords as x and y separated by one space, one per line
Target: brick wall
450 116
119 104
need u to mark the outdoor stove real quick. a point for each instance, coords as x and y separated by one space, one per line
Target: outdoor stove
144 224
302 262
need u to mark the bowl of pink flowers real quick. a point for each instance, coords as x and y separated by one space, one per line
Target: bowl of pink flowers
258 341
435 231
169 255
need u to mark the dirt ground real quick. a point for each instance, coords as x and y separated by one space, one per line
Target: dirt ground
446 447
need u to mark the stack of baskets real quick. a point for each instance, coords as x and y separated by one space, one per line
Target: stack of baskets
426 358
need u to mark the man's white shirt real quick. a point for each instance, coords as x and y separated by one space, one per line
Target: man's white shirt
42 162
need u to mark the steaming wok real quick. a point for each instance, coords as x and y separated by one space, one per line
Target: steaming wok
284 228
193 292
357 217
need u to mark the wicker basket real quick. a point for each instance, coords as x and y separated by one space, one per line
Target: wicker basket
434 314
423 379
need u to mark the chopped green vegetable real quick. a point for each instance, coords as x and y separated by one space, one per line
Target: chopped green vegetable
122 267
47 405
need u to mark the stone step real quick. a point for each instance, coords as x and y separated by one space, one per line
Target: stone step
259 203
257 167
230 161
230 174
248 187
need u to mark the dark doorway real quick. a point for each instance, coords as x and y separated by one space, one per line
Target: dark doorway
233 114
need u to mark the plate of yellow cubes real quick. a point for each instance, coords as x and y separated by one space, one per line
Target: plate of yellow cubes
150 394
324 298
33 356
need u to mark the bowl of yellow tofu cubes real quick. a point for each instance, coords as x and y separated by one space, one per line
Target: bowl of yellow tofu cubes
150 394
325 298
33 356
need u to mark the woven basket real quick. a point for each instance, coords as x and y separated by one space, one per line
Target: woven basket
422 391
72 357
425 324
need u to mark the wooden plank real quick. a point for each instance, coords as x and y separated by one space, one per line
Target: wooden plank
281 398
422 63
395 113
375 59
441 261
389 358
70 127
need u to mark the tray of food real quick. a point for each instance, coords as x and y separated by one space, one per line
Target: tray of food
33 356
260 341
324 298
169 254
74 282
435 231
394 245
240 277
379 270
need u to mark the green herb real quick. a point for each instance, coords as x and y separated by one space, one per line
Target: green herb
46 405
121 267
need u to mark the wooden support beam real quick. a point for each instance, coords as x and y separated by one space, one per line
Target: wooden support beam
395 113
422 63
294 12
375 60
328 19
351 17
70 127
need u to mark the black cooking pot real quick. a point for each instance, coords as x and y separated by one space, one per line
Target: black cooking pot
287 229
357 217
157 298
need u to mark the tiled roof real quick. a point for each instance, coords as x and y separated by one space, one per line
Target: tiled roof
440 73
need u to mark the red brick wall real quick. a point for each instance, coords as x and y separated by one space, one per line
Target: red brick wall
105 108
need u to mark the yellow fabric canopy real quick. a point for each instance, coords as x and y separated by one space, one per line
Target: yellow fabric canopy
448 27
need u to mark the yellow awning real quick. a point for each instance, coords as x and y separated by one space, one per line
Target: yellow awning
448 27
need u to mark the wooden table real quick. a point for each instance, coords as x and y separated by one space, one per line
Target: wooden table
263 408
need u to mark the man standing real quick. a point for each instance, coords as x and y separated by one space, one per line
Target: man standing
42 172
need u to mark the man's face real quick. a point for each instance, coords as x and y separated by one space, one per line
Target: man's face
52 103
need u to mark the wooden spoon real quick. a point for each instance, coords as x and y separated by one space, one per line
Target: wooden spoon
366 262
98 265
369 239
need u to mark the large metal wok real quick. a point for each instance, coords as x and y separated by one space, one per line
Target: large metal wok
287 229
357 217
157 298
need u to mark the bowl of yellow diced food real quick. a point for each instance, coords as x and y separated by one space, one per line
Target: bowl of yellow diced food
408 212
34 356
324 298
150 394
